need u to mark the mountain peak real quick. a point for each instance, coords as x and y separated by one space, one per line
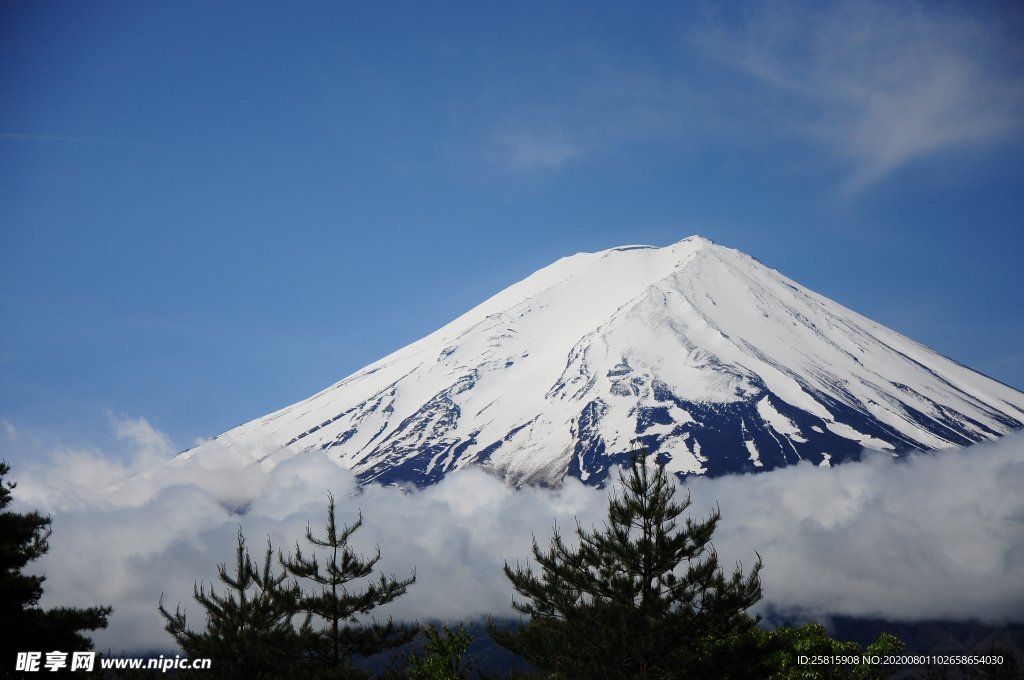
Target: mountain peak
691 242
715 362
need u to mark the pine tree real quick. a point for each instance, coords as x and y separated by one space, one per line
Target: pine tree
337 605
26 627
249 628
644 597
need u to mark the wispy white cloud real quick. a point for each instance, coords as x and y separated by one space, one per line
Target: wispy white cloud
872 85
933 536
592 114
879 84
523 150
10 432
149 443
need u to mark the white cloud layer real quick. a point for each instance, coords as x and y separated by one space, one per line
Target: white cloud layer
932 536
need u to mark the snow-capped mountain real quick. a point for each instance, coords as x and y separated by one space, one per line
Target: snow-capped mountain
718 363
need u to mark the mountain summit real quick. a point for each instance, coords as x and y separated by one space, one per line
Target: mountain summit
715 361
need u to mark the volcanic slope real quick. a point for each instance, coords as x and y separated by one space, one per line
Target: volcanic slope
715 361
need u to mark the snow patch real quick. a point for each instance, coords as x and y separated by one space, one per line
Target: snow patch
755 455
683 459
865 440
779 422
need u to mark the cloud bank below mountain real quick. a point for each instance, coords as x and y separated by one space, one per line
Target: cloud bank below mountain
924 537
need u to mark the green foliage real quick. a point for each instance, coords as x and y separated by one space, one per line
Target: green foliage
338 605
27 627
645 597
249 629
441 658
812 640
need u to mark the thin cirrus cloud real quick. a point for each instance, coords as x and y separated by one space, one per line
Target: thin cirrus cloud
528 151
604 109
22 137
937 536
66 139
878 85
872 86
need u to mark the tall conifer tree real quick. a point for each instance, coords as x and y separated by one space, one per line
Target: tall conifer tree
644 597
337 604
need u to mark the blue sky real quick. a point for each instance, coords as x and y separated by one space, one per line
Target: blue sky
211 210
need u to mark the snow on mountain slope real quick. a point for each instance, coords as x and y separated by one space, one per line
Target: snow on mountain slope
717 362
